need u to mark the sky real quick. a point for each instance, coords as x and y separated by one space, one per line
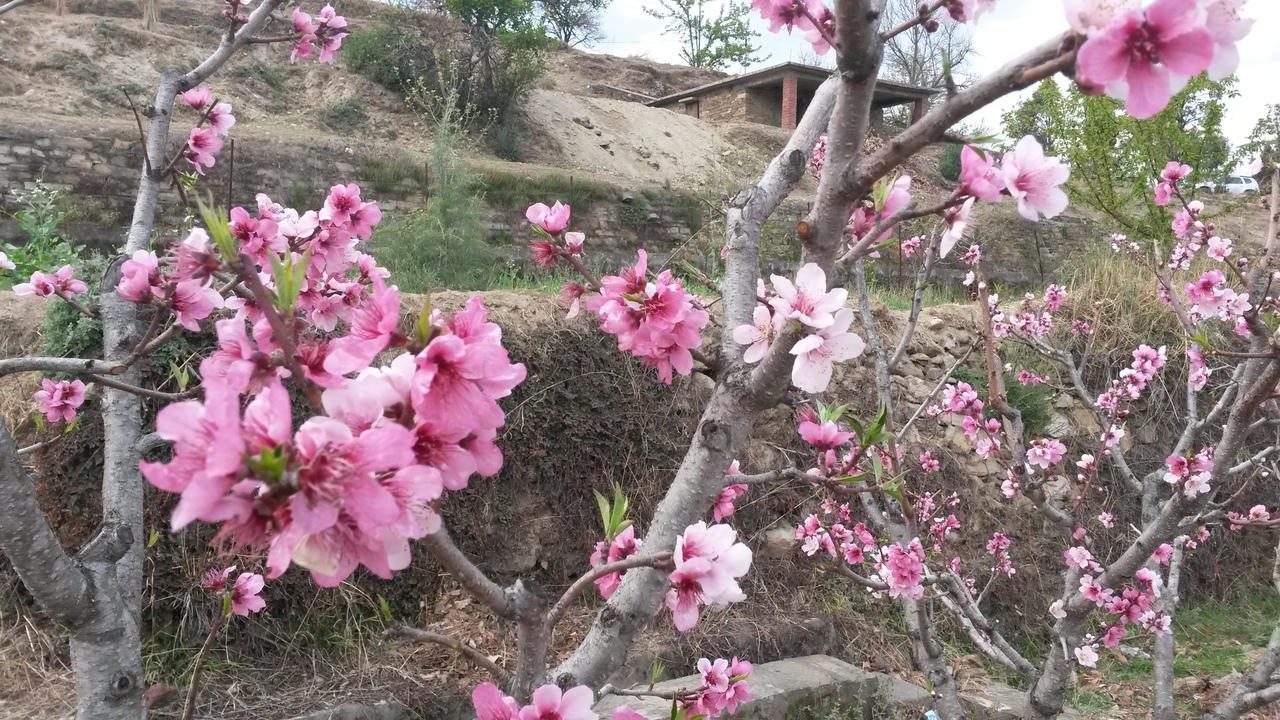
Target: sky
1013 28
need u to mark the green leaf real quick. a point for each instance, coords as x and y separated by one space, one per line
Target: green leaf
606 513
893 488
876 430
226 604
153 538
619 509
71 426
179 374
40 424
655 672
218 224
877 465
384 609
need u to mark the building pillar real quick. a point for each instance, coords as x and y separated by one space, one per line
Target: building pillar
918 110
790 88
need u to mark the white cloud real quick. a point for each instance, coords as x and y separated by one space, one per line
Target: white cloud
1013 28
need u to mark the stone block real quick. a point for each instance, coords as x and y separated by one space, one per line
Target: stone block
782 687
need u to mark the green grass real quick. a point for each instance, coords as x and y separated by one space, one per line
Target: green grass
505 189
385 175
899 299
1089 701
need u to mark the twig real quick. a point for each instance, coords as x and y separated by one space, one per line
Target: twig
71 366
475 656
143 392
582 583
189 708
941 381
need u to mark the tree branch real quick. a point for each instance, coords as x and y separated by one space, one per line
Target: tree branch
475 656
70 366
441 547
52 577
584 582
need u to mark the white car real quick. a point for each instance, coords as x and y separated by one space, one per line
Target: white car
1232 185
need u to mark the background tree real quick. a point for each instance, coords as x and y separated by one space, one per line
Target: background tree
919 57
573 22
705 42
1112 154
1264 141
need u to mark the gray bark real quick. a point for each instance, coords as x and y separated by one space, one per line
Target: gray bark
1162 705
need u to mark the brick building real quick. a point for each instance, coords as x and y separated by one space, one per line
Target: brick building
779 95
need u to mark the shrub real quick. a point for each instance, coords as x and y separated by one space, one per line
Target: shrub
441 245
45 249
344 116
949 162
390 55
384 175
508 143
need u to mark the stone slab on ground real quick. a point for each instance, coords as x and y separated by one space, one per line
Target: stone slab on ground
786 685
996 701
381 711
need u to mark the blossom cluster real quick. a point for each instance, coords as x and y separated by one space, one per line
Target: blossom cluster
723 687
351 486
808 305
656 320
1130 605
1211 297
708 561
811 17
321 36
62 283
1193 473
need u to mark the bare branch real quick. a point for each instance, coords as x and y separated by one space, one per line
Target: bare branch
70 366
475 656
584 582
441 547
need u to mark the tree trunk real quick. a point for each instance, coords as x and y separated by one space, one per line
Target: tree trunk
928 655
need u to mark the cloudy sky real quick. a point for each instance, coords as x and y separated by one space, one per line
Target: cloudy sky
1014 27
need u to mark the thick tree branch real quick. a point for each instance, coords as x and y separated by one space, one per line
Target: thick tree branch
69 366
52 577
581 584
441 547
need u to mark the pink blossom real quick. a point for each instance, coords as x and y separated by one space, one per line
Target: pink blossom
708 561
1056 610
979 176
1163 553
140 277
491 704
1087 656
59 400
571 294
552 219
808 300
1227 28
1114 635
207 451
1163 194
1046 453
623 546
1141 54
1034 180
202 145
544 253
623 713
573 243
816 354
198 97
244 595
1079 557
330 48
550 703
1219 248
458 383
724 503
1199 375
193 301
912 246
824 436
1106 519
759 334
372 325
957 219
821 28
1174 171
966 11
1088 17
6 263
221 120
1196 484
60 283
